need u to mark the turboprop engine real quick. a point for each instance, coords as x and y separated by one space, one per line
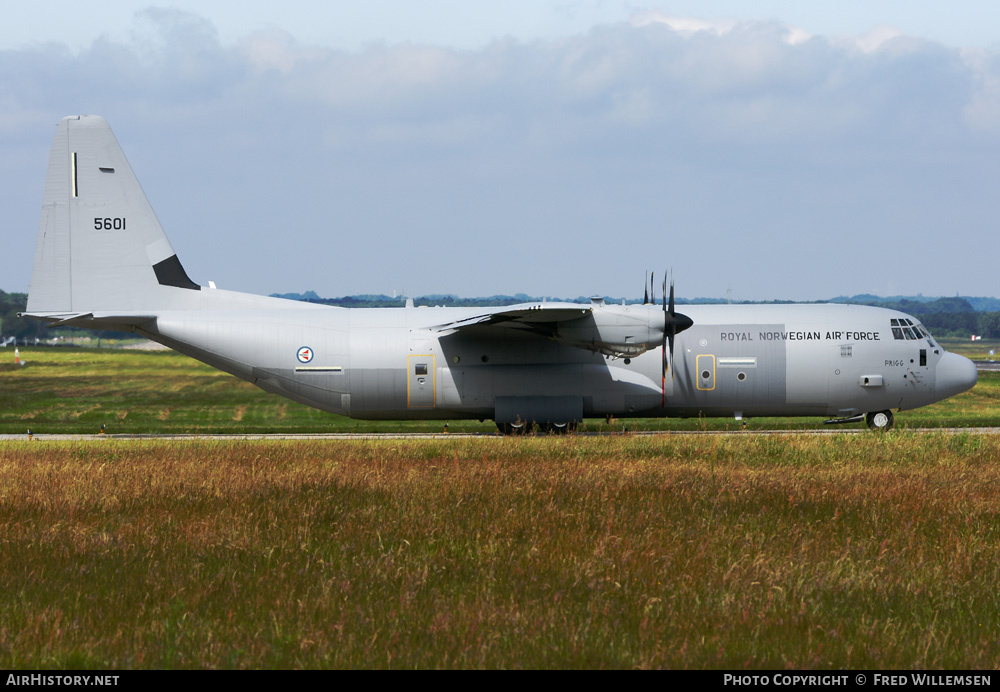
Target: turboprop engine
619 331
625 331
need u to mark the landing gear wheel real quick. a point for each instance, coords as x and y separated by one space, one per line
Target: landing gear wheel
558 428
517 428
879 421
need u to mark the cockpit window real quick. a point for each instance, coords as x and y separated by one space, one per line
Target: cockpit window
908 330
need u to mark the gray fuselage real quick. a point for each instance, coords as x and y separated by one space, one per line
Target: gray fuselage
737 360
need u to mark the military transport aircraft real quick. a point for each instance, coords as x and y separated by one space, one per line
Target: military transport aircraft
102 261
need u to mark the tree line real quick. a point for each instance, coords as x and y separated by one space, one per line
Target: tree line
948 316
11 324
942 317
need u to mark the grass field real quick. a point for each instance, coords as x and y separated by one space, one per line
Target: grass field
79 390
743 551
976 350
739 551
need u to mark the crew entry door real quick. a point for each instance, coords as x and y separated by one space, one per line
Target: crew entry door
420 384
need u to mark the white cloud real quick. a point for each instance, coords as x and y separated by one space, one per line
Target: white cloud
568 157
876 38
688 26
682 25
982 112
275 49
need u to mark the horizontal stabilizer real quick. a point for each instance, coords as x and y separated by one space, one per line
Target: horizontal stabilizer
91 320
57 319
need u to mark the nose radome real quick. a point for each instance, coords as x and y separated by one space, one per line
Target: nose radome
954 375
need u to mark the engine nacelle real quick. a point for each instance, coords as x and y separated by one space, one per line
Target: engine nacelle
620 331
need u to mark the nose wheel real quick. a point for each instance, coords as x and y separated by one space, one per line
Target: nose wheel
879 420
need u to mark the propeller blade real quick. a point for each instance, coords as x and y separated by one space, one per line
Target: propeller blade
663 371
673 324
670 338
664 364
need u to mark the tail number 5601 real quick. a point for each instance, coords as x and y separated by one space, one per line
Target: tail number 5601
117 224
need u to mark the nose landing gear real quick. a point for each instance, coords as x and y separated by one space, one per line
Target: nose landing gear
879 421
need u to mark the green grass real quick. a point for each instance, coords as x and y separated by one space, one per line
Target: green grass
976 350
778 551
134 392
79 390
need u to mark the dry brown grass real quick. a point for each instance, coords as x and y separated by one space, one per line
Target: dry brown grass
739 551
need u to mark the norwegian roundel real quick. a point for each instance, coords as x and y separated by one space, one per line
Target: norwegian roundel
305 354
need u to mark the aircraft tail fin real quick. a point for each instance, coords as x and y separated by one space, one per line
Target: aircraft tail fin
100 246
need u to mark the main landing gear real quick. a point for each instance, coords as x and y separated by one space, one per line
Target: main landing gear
520 428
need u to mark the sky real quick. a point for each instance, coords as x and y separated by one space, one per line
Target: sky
766 150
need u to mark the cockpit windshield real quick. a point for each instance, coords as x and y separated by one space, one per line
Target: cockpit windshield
904 329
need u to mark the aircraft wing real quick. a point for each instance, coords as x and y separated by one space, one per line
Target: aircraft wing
619 331
533 316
